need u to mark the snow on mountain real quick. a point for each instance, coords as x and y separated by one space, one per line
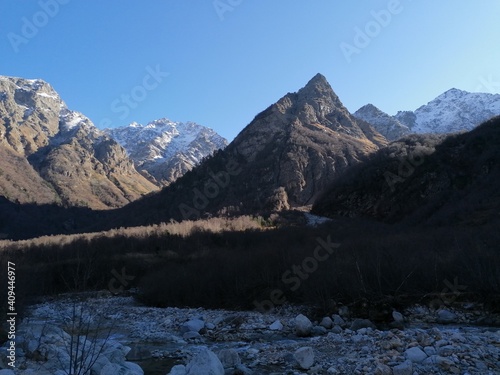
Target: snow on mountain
386 125
52 154
164 150
455 110
70 119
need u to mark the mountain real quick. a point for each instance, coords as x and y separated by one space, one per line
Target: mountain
428 178
388 126
164 150
302 142
453 111
50 154
284 158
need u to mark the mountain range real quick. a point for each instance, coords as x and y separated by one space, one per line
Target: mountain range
164 150
304 149
50 154
453 111
283 159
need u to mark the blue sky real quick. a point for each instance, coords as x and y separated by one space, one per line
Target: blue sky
221 62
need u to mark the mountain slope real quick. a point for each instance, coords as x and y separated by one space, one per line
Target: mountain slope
284 158
434 179
164 150
386 125
455 110
54 155
304 140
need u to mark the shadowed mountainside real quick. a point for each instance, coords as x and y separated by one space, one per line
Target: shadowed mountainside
432 179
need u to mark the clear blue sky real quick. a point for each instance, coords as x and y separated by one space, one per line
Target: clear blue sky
224 67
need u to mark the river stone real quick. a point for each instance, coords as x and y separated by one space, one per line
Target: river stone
276 326
229 358
446 316
326 322
337 329
194 325
383 369
338 320
303 326
405 368
305 357
319 331
133 368
205 363
111 369
243 370
415 354
191 335
362 323
178 370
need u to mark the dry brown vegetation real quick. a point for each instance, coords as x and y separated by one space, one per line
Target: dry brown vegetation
233 263
183 229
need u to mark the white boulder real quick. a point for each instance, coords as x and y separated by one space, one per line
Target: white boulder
205 363
194 325
276 326
415 354
303 326
305 357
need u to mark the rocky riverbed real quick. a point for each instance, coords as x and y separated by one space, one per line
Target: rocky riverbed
127 336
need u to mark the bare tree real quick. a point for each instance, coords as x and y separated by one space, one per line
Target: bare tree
88 339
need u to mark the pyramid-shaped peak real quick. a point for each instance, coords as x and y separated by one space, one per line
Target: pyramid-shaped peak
318 81
318 78
318 88
368 108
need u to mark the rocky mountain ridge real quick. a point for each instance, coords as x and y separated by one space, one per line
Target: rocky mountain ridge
453 111
164 150
51 154
301 142
388 126
283 159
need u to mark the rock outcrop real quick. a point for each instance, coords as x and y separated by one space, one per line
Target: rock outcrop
50 154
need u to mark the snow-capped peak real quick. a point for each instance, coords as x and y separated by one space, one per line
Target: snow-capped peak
456 110
166 149
386 125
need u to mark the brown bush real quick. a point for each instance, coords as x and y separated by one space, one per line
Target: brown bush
211 264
